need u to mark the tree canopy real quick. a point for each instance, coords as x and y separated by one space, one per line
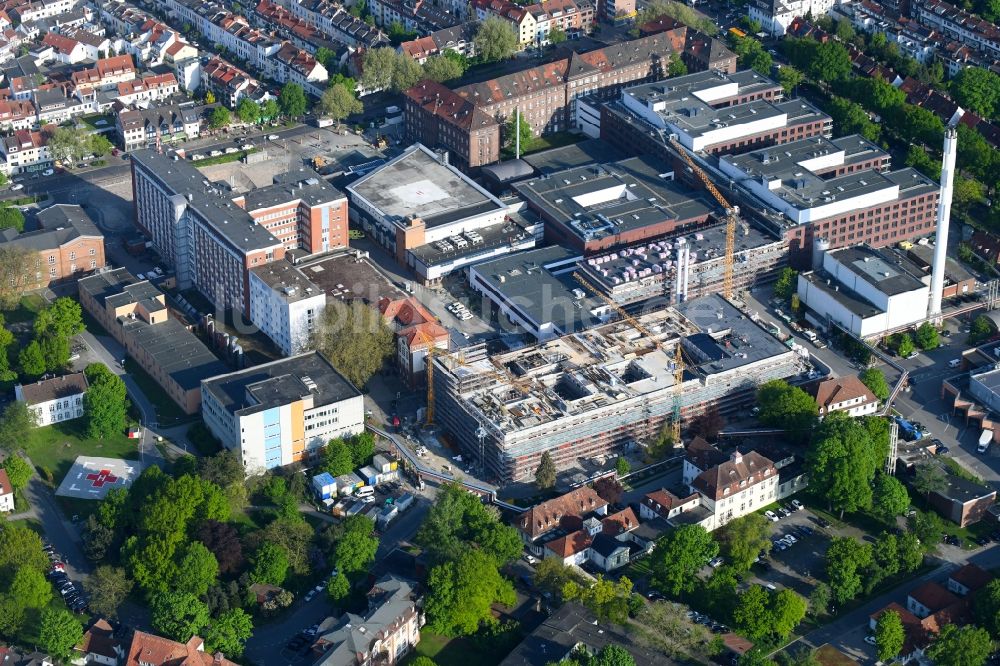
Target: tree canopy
461 592
788 407
846 559
874 379
977 89
105 402
545 474
495 39
679 555
889 498
741 540
961 646
459 518
889 636
292 100
356 340
844 457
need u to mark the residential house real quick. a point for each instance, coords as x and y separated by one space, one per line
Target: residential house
572 17
414 15
64 49
230 84
385 634
730 486
53 107
152 127
54 400
520 19
558 517
930 598
968 580
458 39
106 74
417 332
183 59
150 650
24 151
68 243
12 657
844 394
148 89
775 16
958 24
664 504
6 495
99 646
16 114
335 21
297 65
95 43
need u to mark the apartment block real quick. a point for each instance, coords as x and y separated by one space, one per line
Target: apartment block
285 305
68 243
157 125
135 313
25 151
281 412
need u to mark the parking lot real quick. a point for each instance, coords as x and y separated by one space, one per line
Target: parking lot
72 593
799 542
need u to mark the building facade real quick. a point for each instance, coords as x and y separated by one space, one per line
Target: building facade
285 305
68 244
54 400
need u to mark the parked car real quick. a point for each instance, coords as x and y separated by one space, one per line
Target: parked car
273 137
771 516
870 639
716 562
17 186
797 504
48 172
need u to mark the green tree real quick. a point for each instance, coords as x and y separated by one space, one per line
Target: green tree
878 95
830 63
889 498
16 265
20 547
986 607
292 100
356 340
752 55
338 587
752 615
270 564
846 558
874 379
613 655
63 318
220 117
377 68
981 330
961 646
679 555
355 547
786 284
789 78
55 351
622 468
19 472
918 158
421 660
197 570
920 123
977 89
100 145
819 599
788 407
557 36
229 632
31 360
928 527
929 478
495 40
677 67
441 68
911 556
59 632
362 447
843 460
11 218
926 336
337 458
513 128
105 402
545 475
108 587
339 102
889 636
741 540
850 118
30 589
461 593
178 615
16 424
248 111
269 110
323 56
788 609
458 519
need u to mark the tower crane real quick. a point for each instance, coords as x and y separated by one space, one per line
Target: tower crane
732 216
675 420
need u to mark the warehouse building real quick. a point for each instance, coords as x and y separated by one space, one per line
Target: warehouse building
585 395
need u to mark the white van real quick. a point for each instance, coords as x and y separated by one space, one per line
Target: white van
364 491
954 363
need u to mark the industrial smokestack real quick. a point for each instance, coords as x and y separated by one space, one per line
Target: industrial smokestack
943 220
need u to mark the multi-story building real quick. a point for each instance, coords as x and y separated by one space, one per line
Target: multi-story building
65 50
458 39
572 17
522 22
16 115
68 245
159 125
54 400
25 151
299 66
417 332
335 21
414 15
285 305
839 190
136 315
151 88
844 394
587 394
436 116
6 493
149 650
210 241
728 486
281 412
230 84
958 24
775 16
106 74
53 107
385 634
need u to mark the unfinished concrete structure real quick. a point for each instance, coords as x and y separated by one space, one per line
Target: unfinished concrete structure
586 394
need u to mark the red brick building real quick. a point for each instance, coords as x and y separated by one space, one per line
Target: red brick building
68 246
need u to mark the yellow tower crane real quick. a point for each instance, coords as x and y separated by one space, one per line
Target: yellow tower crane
675 421
732 217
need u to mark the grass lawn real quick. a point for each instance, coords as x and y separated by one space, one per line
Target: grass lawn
93 119
31 524
55 447
454 651
540 143
26 311
168 413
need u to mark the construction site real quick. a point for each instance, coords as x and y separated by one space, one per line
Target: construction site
583 396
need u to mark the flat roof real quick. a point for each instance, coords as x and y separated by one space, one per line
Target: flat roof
303 184
347 277
287 281
602 200
788 159
216 209
280 383
118 286
877 270
588 151
738 340
539 284
176 350
417 184
853 303
504 234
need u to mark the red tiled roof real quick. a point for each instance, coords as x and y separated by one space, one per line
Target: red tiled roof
972 577
99 640
662 501
62 44
5 487
554 513
619 523
571 544
933 596
148 649
740 471
452 107
841 389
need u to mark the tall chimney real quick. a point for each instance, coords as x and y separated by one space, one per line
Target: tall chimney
943 220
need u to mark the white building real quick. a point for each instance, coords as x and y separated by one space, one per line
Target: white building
6 493
729 486
281 412
865 293
285 305
54 400
844 394
776 15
